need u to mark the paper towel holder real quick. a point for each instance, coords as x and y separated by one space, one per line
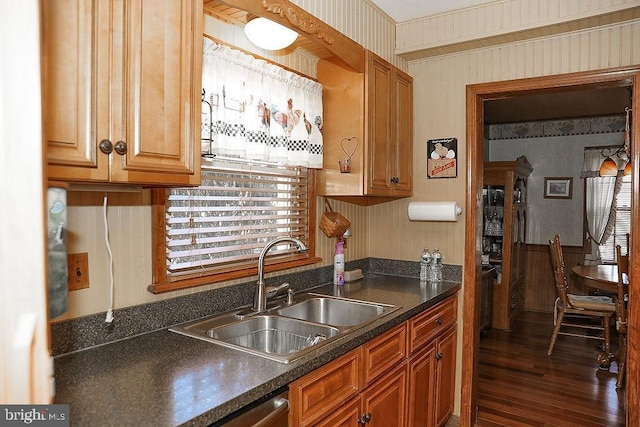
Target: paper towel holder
448 211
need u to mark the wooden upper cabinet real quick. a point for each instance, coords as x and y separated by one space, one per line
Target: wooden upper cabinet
122 90
378 106
390 127
368 116
74 91
403 160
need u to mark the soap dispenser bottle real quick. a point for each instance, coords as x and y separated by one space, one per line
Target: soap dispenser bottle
338 264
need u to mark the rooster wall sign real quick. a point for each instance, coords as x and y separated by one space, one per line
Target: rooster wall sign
442 159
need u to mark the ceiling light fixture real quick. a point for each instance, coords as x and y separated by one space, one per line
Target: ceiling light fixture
269 35
609 166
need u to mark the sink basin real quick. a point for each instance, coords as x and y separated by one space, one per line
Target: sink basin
273 334
286 333
277 338
334 311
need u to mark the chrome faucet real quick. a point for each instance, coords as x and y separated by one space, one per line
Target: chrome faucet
260 300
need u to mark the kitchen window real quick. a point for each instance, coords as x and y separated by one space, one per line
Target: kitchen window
261 140
215 232
622 224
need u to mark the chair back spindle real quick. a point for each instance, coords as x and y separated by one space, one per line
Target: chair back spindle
580 308
622 289
560 278
620 301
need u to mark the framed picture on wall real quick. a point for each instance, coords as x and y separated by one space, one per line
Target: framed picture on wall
442 161
558 188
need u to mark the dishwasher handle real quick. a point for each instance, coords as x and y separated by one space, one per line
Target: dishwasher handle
271 413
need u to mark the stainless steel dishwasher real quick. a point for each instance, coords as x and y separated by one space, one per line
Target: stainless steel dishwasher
273 412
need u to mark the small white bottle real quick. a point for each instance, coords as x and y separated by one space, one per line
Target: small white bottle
425 262
338 264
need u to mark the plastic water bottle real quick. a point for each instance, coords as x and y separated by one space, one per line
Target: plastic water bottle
425 262
435 272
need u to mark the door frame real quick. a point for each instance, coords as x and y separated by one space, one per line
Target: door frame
476 94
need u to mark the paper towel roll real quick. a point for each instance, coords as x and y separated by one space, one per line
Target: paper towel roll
434 211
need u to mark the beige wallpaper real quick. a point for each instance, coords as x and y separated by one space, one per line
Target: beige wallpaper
506 21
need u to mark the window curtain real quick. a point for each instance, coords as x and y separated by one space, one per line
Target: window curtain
601 196
260 111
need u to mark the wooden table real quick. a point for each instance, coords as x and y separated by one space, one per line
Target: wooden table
602 276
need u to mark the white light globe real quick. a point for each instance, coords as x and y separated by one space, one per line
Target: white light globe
269 35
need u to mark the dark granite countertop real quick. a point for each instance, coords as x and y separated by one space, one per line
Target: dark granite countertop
165 379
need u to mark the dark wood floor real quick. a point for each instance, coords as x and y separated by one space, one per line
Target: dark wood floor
520 385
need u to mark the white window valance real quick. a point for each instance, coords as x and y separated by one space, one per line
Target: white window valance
260 111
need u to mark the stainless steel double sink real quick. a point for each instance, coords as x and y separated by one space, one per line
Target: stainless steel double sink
286 332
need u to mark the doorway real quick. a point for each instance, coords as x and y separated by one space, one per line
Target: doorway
477 94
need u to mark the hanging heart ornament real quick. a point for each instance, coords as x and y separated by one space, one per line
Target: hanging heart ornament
349 141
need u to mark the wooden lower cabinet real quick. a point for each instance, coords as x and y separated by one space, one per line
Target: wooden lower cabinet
380 383
486 295
384 402
421 376
432 368
381 404
445 369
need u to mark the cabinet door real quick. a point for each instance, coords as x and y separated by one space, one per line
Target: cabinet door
379 138
403 135
76 57
385 400
445 376
160 113
420 396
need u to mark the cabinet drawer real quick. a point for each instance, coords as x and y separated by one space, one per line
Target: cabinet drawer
313 395
347 415
384 352
425 326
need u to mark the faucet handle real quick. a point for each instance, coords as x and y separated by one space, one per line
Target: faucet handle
273 291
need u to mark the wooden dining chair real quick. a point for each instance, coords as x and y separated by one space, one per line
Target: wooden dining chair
620 301
575 311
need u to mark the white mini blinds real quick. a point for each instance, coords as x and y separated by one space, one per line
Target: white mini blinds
239 207
259 111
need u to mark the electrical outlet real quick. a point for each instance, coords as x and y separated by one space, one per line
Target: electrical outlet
78 265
